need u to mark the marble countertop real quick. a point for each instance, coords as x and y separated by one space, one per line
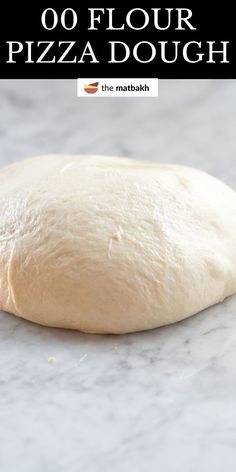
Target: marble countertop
160 400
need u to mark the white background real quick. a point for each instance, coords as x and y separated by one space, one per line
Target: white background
151 83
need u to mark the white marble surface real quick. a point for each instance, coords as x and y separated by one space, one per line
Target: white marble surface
161 400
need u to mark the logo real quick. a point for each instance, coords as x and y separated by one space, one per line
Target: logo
91 88
120 88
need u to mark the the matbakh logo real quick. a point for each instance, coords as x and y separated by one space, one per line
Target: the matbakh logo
91 88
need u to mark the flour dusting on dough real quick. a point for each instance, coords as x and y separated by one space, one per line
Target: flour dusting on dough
115 237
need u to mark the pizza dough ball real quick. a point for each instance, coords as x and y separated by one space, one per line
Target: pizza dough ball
112 245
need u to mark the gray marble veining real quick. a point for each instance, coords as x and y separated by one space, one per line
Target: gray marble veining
160 400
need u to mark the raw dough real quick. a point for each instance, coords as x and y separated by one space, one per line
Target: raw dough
112 245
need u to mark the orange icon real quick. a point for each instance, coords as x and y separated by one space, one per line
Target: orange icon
91 88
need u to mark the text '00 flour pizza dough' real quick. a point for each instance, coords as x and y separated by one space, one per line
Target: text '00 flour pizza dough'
109 245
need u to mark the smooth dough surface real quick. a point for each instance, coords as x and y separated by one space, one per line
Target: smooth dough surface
113 245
